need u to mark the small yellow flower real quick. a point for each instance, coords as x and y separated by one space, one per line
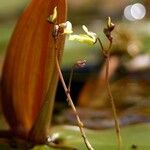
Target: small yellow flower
89 33
110 25
52 18
83 38
88 38
67 26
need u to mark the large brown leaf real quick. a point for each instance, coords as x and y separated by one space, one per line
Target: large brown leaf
29 65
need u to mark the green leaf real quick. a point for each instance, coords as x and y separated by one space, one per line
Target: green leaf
43 147
135 137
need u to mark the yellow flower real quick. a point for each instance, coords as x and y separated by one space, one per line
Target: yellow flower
67 26
52 18
88 38
110 25
89 33
83 38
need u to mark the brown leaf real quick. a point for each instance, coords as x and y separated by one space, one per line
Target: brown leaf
29 65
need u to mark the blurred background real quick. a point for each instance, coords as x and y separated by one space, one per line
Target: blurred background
130 60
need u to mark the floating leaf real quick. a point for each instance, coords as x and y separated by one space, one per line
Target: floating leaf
134 137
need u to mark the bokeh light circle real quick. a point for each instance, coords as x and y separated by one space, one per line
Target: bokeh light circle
134 12
138 11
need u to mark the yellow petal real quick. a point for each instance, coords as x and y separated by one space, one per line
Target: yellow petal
89 33
83 38
68 28
52 18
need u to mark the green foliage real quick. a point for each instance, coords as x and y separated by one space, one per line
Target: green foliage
132 135
44 147
8 7
5 31
135 137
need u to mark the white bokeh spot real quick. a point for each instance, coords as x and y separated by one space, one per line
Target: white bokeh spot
135 12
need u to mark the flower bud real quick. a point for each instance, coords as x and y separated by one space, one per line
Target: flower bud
110 25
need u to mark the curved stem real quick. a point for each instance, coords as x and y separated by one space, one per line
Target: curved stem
70 101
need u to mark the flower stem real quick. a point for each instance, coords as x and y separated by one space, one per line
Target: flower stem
70 101
106 54
70 78
117 127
